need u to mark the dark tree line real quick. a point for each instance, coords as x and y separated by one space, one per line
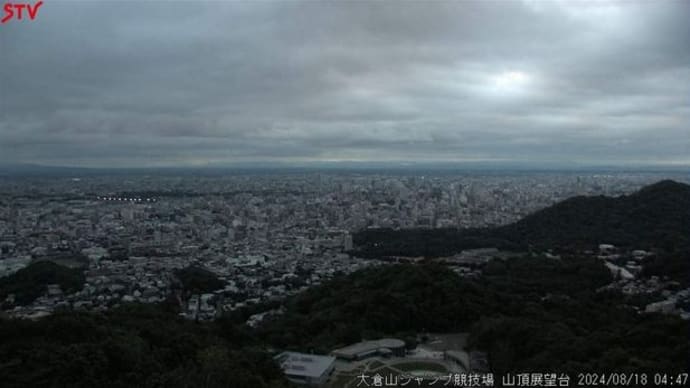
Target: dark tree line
30 282
132 346
198 280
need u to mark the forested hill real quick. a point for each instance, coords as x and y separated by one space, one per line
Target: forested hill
131 346
529 313
657 216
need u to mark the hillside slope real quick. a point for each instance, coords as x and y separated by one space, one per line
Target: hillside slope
656 216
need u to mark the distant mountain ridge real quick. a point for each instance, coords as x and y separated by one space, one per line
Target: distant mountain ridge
656 216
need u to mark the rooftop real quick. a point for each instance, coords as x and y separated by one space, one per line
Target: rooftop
301 364
368 346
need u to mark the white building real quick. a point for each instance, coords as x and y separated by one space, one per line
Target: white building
664 307
310 369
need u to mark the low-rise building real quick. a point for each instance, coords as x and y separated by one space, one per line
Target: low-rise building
309 369
362 350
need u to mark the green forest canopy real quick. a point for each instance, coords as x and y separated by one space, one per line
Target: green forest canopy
530 313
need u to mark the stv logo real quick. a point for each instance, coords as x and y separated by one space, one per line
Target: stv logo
17 8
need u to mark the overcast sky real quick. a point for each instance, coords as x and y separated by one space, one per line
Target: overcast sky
154 83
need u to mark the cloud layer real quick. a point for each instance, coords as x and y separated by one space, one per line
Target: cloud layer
189 83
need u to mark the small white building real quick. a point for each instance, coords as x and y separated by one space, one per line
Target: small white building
309 369
619 272
665 307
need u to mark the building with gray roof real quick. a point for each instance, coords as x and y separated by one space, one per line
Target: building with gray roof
365 349
309 369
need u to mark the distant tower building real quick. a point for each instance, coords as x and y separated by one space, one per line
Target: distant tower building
347 242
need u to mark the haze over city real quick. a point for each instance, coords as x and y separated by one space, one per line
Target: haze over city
146 84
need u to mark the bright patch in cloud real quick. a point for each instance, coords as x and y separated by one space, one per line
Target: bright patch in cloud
509 82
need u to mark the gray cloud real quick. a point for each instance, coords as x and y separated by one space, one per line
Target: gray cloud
155 83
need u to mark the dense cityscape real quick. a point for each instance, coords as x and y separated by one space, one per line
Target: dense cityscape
266 236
